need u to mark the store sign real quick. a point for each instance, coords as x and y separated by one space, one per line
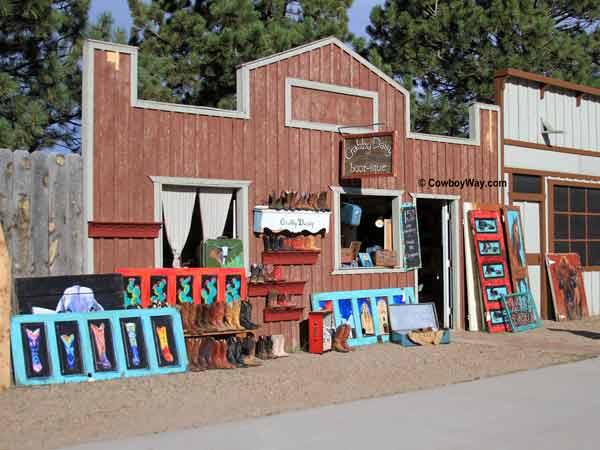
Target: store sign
369 154
292 221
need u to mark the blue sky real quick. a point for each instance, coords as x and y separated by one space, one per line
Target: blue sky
359 13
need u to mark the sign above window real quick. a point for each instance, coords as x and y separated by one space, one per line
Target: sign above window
370 154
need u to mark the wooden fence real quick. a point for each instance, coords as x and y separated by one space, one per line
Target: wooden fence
41 211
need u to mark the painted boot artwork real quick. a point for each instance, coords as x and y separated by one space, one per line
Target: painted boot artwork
130 327
100 340
68 341
33 339
161 332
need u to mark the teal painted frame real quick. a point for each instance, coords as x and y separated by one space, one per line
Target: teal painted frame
403 206
114 316
530 304
407 293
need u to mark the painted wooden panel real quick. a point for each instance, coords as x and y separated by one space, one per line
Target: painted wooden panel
531 225
330 107
524 111
528 158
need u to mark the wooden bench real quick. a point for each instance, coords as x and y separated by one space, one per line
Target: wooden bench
45 292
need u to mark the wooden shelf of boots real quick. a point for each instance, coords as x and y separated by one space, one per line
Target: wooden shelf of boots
291 257
241 331
281 287
282 314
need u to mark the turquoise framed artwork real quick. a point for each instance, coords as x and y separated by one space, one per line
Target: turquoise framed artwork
521 312
365 311
74 347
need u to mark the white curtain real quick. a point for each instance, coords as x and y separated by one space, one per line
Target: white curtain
214 206
178 207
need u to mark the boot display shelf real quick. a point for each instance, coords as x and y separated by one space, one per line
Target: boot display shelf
281 287
217 333
282 314
291 257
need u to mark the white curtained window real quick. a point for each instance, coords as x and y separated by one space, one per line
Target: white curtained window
214 207
178 207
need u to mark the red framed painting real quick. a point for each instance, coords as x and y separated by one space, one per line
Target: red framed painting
490 252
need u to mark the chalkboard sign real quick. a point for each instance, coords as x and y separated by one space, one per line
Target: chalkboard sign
404 318
370 154
409 229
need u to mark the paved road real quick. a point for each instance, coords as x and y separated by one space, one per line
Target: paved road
552 408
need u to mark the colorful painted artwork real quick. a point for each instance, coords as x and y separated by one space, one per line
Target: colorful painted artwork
566 284
494 270
515 248
365 260
166 350
69 347
33 340
494 293
486 226
398 299
158 288
223 253
132 335
133 292
489 248
35 350
233 285
383 315
366 317
102 345
347 314
185 293
208 290
326 305
521 312
488 240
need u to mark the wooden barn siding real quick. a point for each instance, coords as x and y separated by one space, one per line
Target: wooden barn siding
131 143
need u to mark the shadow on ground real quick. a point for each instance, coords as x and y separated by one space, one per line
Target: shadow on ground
583 333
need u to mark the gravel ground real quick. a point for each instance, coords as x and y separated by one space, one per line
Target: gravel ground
50 417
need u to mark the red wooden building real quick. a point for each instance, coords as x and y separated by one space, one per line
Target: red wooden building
284 134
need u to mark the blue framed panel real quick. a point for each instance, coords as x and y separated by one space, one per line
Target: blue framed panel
521 312
365 311
72 347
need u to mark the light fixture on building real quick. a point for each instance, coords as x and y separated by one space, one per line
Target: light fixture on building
379 222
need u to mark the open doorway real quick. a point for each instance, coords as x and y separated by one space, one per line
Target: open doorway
435 277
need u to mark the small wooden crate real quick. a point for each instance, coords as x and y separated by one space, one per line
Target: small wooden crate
386 258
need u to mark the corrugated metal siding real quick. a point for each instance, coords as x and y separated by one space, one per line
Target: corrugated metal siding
523 111
132 143
591 280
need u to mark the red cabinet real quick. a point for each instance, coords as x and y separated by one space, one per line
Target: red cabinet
320 331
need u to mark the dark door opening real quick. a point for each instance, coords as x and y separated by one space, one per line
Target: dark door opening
430 213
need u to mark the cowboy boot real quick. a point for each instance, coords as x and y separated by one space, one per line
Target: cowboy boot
338 338
322 201
312 201
346 337
286 244
268 273
260 275
199 355
297 242
189 348
277 203
253 273
209 353
249 352
279 346
246 315
261 348
208 318
267 242
230 343
216 355
239 356
228 322
269 347
272 299
184 313
277 273
225 353
212 316
236 307
310 243
196 317
220 315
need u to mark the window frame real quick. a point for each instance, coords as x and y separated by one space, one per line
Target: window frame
337 192
241 188
552 183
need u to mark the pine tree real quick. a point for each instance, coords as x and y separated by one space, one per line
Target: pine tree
40 81
189 49
449 50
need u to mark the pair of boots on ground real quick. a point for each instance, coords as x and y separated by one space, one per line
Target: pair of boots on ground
275 243
217 316
340 339
271 347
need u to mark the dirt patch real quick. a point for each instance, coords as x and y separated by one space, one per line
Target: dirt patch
50 417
